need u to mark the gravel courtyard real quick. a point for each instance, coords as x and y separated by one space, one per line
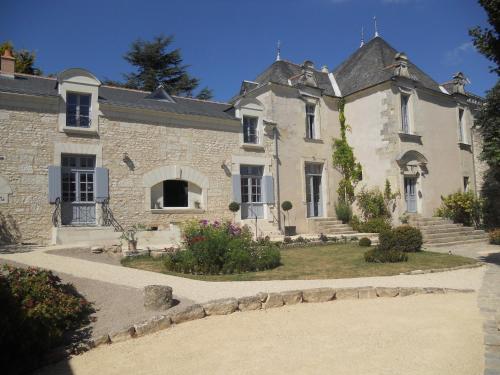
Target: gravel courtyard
424 334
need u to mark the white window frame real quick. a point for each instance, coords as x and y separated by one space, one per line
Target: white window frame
466 183
311 123
462 135
406 127
256 124
78 116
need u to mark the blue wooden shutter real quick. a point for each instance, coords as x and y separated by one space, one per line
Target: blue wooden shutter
236 188
268 189
54 183
101 184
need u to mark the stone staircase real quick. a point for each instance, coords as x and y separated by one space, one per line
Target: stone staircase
329 225
439 232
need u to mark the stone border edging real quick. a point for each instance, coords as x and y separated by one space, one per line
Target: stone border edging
261 301
436 270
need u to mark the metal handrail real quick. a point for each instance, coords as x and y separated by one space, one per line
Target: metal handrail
108 218
56 215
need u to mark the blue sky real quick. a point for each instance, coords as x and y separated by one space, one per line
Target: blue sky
226 41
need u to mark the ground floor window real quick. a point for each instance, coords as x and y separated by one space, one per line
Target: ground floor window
466 184
251 191
314 172
175 193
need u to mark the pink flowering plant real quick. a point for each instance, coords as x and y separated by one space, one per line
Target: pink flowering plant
214 247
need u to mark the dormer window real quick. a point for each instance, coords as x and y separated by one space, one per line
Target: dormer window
250 130
461 131
78 110
405 114
311 121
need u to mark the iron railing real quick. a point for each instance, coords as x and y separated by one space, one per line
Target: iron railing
56 214
108 219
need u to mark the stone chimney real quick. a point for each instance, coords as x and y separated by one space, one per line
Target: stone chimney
459 82
324 69
401 65
7 64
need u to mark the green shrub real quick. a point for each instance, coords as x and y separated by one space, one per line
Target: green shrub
213 248
286 205
375 225
234 207
462 208
365 241
343 211
287 239
37 313
372 204
495 237
377 255
403 238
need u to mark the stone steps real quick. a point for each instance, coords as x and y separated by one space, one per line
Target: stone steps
333 226
443 232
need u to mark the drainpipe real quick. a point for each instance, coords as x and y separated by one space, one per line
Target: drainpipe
277 160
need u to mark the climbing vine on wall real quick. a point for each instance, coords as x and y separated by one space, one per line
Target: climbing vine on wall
344 161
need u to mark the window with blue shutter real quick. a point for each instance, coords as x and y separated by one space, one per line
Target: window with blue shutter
54 183
236 178
102 184
268 189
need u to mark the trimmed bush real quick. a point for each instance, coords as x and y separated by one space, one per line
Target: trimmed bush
343 211
403 238
462 208
377 255
495 237
375 225
214 248
37 313
365 241
234 207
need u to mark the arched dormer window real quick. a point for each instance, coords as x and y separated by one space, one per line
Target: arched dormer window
79 106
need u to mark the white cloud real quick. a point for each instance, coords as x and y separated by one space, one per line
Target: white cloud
456 55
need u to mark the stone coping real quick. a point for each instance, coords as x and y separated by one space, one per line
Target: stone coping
260 301
435 270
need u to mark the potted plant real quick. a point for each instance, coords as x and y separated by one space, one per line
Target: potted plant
234 207
130 235
289 230
197 204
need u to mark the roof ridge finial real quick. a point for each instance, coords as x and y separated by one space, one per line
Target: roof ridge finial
278 55
362 37
376 27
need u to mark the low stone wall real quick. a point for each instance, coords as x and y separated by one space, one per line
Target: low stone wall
258 302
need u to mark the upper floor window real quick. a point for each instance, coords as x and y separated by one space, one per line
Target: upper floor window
78 110
250 130
311 121
466 184
405 115
461 133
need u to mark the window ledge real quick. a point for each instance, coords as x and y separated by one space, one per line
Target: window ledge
465 146
252 146
410 137
78 130
313 140
177 210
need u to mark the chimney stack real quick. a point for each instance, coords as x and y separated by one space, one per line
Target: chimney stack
7 64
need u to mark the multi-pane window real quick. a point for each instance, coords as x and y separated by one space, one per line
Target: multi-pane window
405 119
78 178
251 183
461 137
250 131
78 110
310 121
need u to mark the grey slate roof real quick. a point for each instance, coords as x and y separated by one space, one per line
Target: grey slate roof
281 71
372 64
33 85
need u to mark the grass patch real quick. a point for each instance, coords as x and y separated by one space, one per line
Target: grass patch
319 262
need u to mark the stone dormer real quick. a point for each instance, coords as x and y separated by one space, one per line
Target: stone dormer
458 84
306 76
401 65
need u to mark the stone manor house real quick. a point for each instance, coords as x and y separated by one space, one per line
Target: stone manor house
77 157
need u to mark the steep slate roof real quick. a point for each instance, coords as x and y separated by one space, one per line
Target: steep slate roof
40 86
372 64
281 71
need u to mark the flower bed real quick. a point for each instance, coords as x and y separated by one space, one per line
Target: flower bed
221 247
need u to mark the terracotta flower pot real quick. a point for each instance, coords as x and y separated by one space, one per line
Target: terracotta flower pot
132 245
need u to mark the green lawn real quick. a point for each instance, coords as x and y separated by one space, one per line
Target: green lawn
319 262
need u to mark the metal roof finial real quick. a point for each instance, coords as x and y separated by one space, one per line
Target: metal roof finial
376 27
278 55
362 37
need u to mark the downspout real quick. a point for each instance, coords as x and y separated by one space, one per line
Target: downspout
277 172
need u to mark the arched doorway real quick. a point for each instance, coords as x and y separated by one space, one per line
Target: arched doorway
413 167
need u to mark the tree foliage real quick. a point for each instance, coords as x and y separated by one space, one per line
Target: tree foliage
487 41
25 60
156 64
344 160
